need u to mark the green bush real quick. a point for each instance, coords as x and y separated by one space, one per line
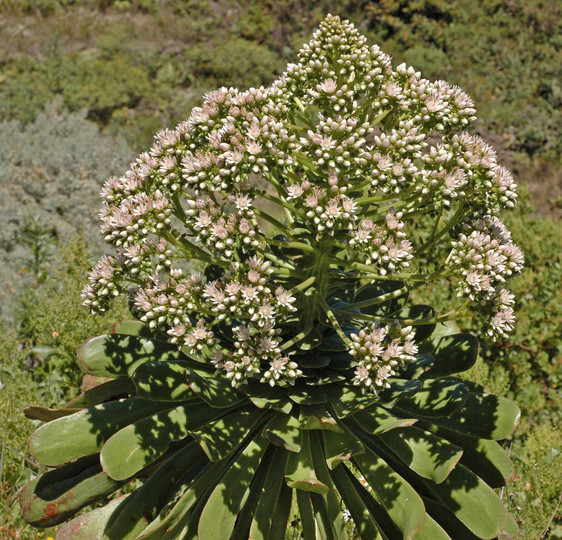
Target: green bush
52 169
16 467
56 323
533 355
535 494
238 59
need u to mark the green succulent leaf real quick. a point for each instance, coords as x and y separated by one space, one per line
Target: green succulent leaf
326 505
332 343
328 519
346 400
447 520
307 395
313 360
265 396
300 472
91 525
359 511
435 398
416 368
221 437
284 430
376 419
326 376
483 457
85 432
426 454
318 417
194 486
472 501
219 515
511 529
306 514
371 292
118 355
108 391
340 447
453 354
260 511
398 390
266 522
141 443
446 328
387 528
137 328
45 414
215 391
484 416
57 495
133 515
419 312
431 530
400 500
163 381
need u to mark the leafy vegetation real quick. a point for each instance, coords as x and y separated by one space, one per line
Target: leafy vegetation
127 68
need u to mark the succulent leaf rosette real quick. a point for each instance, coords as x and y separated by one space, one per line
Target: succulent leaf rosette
269 245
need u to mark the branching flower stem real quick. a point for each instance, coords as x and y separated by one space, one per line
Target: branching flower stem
333 320
449 316
455 220
381 299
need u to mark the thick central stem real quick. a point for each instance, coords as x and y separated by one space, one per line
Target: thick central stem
312 311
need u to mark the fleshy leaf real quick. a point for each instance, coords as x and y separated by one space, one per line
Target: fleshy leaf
300 472
377 419
264 524
216 391
107 391
317 417
453 354
84 432
347 400
483 457
137 328
428 455
472 501
484 415
141 443
219 515
143 505
435 398
360 514
118 355
307 395
284 430
399 498
45 414
57 495
163 381
419 312
223 436
241 530
399 389
89 526
340 447
265 396
374 290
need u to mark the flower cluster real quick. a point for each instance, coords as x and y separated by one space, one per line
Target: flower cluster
484 259
279 195
379 351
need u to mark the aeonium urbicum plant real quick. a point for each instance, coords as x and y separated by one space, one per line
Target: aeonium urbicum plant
269 245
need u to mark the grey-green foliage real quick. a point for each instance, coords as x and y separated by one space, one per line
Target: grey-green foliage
52 170
535 494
